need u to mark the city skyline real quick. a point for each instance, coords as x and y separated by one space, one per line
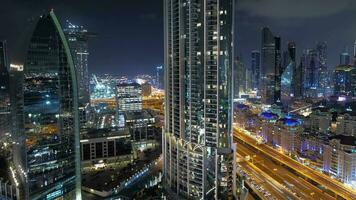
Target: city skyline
114 50
178 99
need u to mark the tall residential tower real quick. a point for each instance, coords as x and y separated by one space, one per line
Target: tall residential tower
198 146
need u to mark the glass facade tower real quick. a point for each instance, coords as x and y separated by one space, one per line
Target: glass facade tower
271 67
50 164
4 91
199 154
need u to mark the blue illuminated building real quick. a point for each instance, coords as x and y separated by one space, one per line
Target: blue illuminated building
269 116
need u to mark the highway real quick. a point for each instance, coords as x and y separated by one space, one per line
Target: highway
270 161
285 184
261 179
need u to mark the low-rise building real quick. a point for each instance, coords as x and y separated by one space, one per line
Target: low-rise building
102 146
346 124
339 158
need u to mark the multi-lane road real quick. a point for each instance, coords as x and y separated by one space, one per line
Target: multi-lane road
274 170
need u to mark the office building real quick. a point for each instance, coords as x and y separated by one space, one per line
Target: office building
5 117
78 38
48 150
240 78
309 62
325 72
255 68
129 97
354 58
271 67
100 147
345 81
288 77
160 77
297 81
345 58
198 150
16 98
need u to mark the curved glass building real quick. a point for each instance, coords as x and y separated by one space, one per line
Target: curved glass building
198 146
49 158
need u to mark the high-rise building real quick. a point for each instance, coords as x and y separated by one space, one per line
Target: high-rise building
198 149
354 59
129 97
242 78
48 158
317 76
297 82
287 78
5 126
345 81
78 43
160 77
345 58
309 62
16 98
325 72
271 67
78 37
255 68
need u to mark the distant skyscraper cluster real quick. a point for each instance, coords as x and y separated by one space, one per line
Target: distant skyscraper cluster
198 149
279 76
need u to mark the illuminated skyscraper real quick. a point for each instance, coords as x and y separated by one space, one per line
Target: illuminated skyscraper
241 78
325 72
160 77
317 76
271 67
289 68
345 58
354 59
198 149
78 43
345 81
4 91
309 61
255 68
129 97
78 37
49 163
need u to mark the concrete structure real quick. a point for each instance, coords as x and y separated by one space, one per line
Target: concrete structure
320 121
340 158
129 97
100 147
346 124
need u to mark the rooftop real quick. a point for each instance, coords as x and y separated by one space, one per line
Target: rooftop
345 139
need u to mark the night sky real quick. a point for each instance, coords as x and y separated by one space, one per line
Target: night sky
130 32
